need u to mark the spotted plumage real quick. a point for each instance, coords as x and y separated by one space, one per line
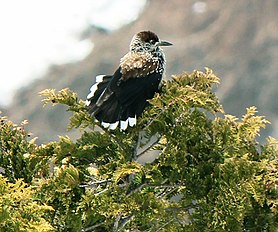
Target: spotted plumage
119 99
140 64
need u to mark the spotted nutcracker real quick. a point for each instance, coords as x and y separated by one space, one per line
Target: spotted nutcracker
119 99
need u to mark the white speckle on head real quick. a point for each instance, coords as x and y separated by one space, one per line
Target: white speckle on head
132 121
123 124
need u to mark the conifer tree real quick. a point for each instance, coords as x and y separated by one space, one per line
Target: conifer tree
208 172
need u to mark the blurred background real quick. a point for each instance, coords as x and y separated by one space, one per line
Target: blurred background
58 44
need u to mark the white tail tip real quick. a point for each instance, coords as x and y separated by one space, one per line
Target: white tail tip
132 121
124 124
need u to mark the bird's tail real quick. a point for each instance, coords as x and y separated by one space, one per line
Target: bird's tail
112 110
104 106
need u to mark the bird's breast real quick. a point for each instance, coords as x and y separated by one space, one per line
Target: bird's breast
140 64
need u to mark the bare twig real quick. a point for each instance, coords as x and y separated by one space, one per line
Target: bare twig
125 221
188 207
148 148
154 186
168 192
116 223
136 190
139 139
165 224
95 183
103 191
92 227
150 122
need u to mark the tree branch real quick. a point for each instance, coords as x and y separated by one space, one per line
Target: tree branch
165 224
188 207
103 191
92 227
137 189
125 221
148 148
116 223
90 184
139 139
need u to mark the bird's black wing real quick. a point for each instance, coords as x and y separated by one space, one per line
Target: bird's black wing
121 98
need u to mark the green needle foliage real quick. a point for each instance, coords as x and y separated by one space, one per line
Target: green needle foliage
209 172
19 211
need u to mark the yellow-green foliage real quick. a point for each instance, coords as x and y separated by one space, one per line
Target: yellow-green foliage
211 174
19 211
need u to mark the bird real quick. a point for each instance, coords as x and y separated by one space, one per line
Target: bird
119 99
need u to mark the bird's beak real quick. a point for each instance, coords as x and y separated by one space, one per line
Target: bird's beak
164 43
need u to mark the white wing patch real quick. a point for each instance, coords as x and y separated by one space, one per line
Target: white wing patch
99 78
93 89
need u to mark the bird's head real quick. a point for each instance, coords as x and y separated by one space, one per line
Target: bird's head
147 41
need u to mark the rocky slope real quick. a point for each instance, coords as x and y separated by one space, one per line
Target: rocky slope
237 39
